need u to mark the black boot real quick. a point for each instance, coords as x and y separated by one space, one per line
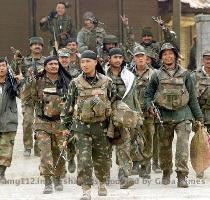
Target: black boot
144 172
125 181
2 174
182 181
166 177
135 169
71 166
58 183
48 185
156 167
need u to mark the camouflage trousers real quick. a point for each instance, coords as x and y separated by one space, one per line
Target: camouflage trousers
28 118
50 140
156 144
92 150
142 143
6 148
123 152
182 130
71 151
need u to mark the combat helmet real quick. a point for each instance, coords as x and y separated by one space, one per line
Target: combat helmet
166 46
110 39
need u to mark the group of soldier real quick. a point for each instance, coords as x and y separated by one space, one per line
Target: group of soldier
93 93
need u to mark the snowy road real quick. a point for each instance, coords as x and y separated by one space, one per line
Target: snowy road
24 183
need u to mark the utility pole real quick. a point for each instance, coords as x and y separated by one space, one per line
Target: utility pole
32 17
177 19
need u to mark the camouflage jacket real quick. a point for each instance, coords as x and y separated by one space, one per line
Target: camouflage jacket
125 84
64 29
187 112
26 67
74 68
202 82
46 96
142 80
67 116
90 39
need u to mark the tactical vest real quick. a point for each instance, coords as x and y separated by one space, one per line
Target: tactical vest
141 84
203 89
49 101
92 103
172 93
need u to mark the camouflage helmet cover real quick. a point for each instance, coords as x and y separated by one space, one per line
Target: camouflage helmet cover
110 39
166 46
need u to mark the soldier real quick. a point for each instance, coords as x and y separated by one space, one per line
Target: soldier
109 41
58 23
143 73
125 84
74 66
9 116
147 39
172 89
47 90
28 66
202 79
86 114
91 35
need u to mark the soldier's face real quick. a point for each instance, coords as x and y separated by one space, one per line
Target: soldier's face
147 39
116 60
140 59
206 61
168 57
36 48
52 67
149 60
60 9
64 60
73 47
88 65
88 24
3 69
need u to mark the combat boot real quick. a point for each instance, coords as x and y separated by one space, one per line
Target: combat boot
2 174
135 169
27 153
48 189
125 181
156 167
144 172
86 192
102 191
36 149
200 175
166 177
182 182
71 166
58 183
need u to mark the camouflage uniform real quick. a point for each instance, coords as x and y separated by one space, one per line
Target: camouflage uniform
63 29
203 92
176 99
87 39
27 103
8 125
126 93
48 105
148 126
92 145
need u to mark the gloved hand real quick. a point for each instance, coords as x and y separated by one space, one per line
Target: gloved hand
52 14
196 125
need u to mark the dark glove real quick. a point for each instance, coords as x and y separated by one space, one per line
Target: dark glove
52 14
196 125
